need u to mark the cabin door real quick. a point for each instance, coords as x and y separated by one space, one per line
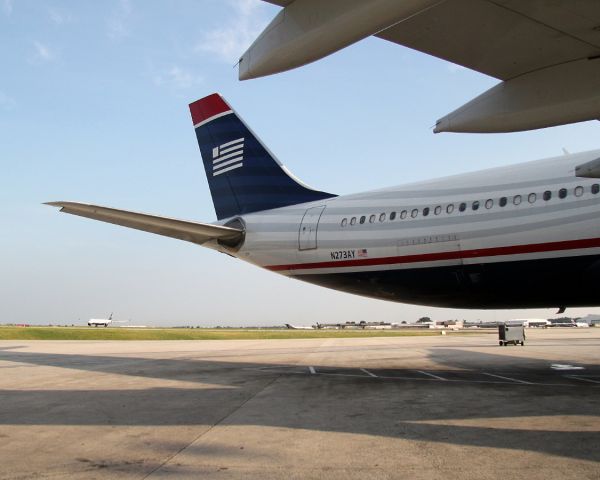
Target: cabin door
307 236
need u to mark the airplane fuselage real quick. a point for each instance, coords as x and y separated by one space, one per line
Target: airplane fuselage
519 236
525 235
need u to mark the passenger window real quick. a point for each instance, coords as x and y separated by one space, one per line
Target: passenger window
344 222
532 198
517 199
578 191
382 217
426 211
372 219
362 219
547 195
475 205
595 188
403 214
462 207
353 221
489 203
414 213
562 193
437 210
502 201
450 208
393 216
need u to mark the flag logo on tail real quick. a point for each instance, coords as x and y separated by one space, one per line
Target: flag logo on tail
228 156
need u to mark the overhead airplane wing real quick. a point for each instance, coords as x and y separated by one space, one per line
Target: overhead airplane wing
503 38
194 232
546 52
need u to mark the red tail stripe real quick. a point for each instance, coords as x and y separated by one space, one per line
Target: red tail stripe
208 107
453 255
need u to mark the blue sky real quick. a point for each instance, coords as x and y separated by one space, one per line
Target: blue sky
93 108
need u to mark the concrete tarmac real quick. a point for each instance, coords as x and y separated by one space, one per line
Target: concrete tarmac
358 408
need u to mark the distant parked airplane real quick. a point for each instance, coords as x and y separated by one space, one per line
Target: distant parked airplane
521 236
528 322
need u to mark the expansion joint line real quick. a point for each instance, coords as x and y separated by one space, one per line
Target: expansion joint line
209 429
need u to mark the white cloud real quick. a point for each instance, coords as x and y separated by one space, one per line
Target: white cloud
177 78
118 22
229 42
6 102
59 18
43 53
7 6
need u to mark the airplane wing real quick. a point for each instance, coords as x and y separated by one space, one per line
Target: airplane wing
194 232
500 38
503 38
546 52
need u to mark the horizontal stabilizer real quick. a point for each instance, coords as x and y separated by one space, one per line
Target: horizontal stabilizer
194 232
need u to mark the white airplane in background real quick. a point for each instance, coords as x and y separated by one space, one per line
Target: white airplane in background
528 322
546 53
520 236
297 327
100 322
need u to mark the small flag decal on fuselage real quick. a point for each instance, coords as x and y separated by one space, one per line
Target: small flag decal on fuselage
362 252
228 156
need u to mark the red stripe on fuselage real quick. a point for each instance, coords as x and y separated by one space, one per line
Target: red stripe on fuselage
208 107
452 255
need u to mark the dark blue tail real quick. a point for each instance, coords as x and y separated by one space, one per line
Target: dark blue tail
242 174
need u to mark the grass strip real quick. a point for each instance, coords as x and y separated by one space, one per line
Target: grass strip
87 333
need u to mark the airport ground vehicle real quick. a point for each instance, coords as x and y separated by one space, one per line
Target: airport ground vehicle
511 334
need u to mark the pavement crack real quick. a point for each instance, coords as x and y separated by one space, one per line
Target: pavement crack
216 424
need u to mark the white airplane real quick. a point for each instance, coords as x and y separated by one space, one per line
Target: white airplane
100 322
520 236
528 322
297 327
546 53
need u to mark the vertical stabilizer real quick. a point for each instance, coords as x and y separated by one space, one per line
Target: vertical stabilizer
243 175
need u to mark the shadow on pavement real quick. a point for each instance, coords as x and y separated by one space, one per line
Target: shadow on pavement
234 393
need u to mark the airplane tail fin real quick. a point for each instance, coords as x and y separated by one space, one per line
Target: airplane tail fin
243 175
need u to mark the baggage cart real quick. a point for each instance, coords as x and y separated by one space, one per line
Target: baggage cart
513 334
